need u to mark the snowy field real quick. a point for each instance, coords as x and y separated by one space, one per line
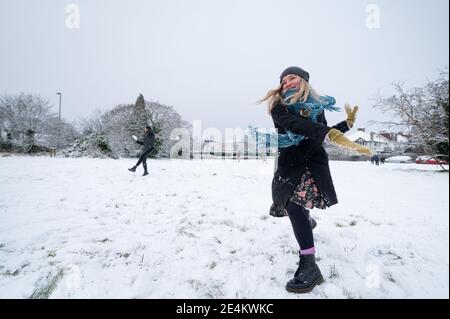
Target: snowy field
89 228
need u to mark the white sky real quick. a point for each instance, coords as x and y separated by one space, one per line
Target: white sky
212 60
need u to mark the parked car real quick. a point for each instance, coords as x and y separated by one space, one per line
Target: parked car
399 159
429 160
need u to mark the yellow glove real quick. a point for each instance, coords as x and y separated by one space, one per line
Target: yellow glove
351 114
338 138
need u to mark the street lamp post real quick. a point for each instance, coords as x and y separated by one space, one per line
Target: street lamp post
257 145
59 119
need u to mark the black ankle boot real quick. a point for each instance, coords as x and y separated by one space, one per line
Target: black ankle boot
145 173
133 169
306 277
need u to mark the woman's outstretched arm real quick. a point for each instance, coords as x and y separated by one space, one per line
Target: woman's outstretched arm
299 125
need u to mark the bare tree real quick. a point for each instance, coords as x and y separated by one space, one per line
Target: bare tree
116 131
165 119
63 131
29 121
93 123
125 120
422 112
23 113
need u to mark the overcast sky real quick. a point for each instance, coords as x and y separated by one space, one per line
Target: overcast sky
213 59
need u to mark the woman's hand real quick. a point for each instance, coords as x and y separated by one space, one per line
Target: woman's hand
339 139
351 114
135 137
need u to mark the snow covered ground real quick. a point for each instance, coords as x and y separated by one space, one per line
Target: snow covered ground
89 228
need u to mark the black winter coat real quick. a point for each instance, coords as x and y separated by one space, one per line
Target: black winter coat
149 140
310 153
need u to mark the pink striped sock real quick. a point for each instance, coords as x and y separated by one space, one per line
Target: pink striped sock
309 251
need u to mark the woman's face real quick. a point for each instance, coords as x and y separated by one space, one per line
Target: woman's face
291 81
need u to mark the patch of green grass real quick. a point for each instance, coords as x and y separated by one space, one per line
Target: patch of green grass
45 291
13 274
333 272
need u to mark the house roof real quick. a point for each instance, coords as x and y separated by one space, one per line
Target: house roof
366 137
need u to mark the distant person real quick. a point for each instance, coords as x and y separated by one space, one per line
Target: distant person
383 160
377 159
148 142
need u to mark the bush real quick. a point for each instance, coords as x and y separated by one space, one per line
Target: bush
6 146
103 146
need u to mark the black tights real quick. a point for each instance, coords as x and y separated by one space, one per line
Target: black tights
302 226
143 158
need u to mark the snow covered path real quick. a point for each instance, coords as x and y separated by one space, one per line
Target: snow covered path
88 228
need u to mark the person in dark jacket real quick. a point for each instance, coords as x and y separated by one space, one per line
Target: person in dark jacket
148 142
302 177
377 159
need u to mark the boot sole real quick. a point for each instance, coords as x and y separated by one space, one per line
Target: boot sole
306 290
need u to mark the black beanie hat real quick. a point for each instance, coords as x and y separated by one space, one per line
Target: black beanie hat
297 71
148 127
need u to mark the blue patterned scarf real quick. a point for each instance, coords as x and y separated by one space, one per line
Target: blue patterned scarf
311 106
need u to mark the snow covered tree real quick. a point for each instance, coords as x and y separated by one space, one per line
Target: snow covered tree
23 113
422 112
140 102
163 120
439 94
93 123
119 124
59 132
116 131
139 117
28 121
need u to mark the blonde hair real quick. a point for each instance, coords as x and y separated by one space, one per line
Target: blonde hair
274 96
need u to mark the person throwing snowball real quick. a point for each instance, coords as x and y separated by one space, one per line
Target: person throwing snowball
148 142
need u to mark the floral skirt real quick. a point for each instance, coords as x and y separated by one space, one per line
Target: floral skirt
306 194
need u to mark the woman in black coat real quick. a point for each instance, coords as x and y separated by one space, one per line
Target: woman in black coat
302 179
148 143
